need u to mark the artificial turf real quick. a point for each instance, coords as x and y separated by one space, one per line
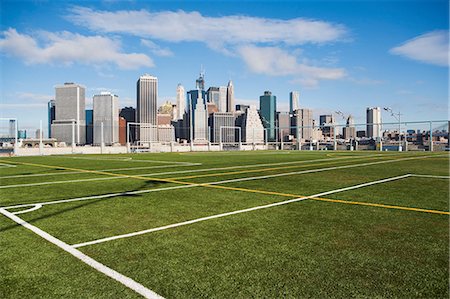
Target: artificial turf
304 249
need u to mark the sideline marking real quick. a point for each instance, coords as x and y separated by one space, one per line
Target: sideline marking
5 165
127 281
215 184
314 197
431 176
146 175
201 170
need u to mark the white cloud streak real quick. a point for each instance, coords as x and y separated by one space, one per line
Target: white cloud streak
431 48
67 48
277 62
156 49
177 26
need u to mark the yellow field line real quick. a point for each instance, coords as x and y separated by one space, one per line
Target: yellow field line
269 169
349 202
237 189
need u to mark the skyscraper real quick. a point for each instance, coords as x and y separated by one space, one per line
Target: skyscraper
51 116
218 96
268 110
230 97
373 120
252 127
181 101
304 123
69 111
200 121
294 97
326 130
89 126
349 131
106 111
146 107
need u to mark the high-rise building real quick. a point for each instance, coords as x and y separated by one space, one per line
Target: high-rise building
324 120
129 114
223 127
200 121
284 125
373 120
106 111
304 123
241 107
252 127
218 96
200 82
89 126
268 111
230 97
69 113
181 101
349 131
146 107
294 97
51 116
122 131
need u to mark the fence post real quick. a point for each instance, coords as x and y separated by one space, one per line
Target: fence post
209 138
431 136
334 138
102 143
16 137
128 138
73 136
41 145
240 135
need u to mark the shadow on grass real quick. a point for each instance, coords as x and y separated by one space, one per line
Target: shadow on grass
146 185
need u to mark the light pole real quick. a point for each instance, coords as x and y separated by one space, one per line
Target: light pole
397 116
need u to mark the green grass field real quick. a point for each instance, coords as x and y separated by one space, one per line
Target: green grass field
225 225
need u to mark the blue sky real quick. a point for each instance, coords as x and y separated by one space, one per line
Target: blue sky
340 55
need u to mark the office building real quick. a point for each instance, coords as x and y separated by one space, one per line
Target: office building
129 114
51 116
268 111
223 127
218 96
304 124
181 101
89 126
349 131
373 120
284 125
325 120
242 108
294 97
146 107
106 114
70 117
122 131
252 127
200 122
230 97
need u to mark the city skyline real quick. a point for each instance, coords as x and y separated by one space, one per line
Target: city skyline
330 59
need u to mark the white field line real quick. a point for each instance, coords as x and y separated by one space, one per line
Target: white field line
146 231
78 172
130 159
2 165
430 176
126 281
36 207
172 172
59 182
217 182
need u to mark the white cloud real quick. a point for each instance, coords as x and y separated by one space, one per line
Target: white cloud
67 48
177 26
432 48
274 61
156 49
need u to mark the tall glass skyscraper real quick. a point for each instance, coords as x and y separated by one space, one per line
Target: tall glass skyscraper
268 111
51 116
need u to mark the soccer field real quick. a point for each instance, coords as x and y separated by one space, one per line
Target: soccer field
225 225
